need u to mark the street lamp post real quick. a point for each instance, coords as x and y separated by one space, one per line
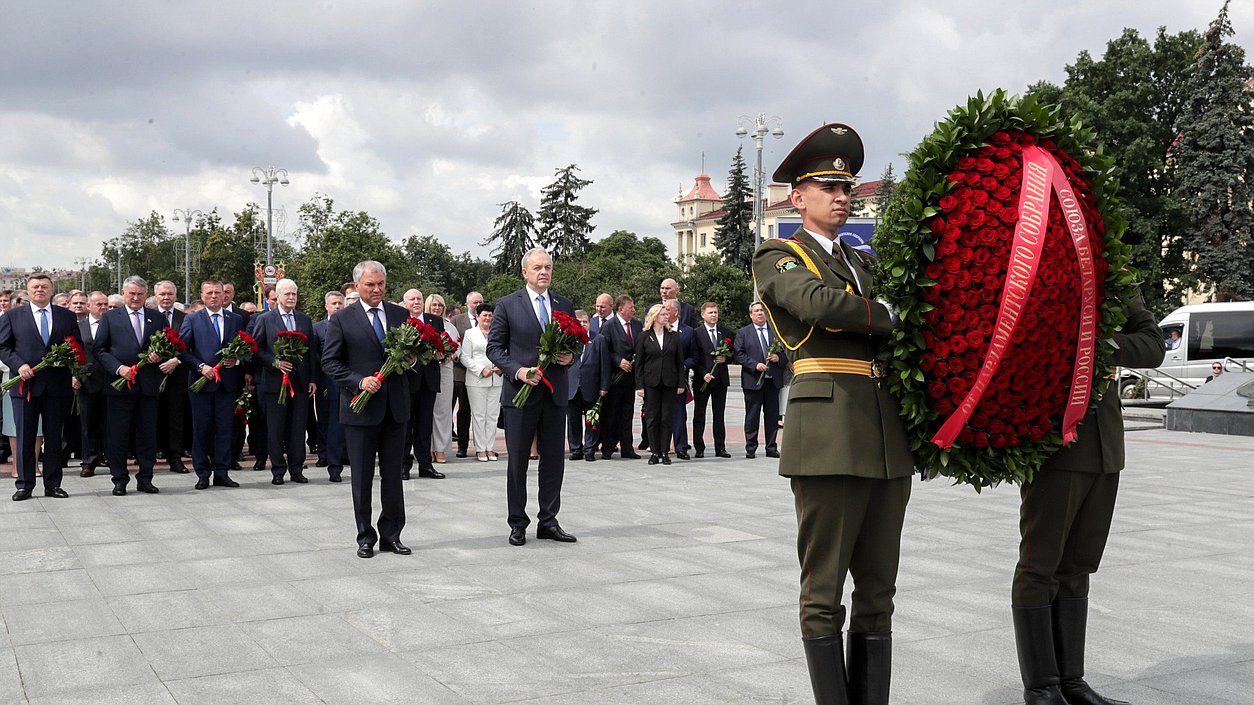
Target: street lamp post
759 127
187 215
269 177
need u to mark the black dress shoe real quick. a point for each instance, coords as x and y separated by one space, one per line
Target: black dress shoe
235 466
365 550
631 456
202 483
517 537
56 492
224 481
431 472
405 474
772 454
146 487
21 495
276 481
87 471
396 547
750 454
576 456
698 454
322 462
653 459
299 477
554 533
666 458
590 457
606 456
460 454
722 454
176 465
259 465
681 454
119 490
644 444
336 478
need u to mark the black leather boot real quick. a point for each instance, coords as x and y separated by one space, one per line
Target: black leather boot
826 660
1034 641
869 664
1070 625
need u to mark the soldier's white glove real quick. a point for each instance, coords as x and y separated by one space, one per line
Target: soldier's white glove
892 312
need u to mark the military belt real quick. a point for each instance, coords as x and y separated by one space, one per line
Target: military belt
837 365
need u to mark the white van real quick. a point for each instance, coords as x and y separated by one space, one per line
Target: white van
1197 336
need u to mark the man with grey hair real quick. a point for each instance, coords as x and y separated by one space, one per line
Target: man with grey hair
352 356
285 417
116 301
91 396
132 410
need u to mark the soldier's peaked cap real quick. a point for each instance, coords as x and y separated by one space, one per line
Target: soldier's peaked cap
832 153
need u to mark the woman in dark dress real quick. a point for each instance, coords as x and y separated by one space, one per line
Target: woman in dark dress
659 366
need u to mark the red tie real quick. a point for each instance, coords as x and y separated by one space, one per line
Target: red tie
627 327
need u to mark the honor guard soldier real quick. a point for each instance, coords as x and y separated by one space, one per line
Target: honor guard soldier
847 455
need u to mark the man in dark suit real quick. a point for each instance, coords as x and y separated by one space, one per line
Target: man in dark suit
604 312
132 410
424 386
621 331
513 346
589 376
669 289
463 322
752 345
26 335
91 396
327 395
708 368
352 354
688 351
213 407
172 404
255 430
285 422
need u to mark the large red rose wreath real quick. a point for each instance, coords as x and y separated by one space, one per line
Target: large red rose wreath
1002 254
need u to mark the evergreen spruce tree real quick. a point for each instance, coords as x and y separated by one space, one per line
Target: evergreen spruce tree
1215 166
515 233
732 236
565 226
888 186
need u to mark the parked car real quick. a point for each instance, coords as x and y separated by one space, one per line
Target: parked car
1196 336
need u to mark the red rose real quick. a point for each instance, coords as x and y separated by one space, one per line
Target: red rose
983 165
966 435
1002 193
964 277
952 265
933 270
966 163
941 349
957 346
956 177
944 407
943 330
952 233
958 386
989 237
979 197
975 339
977 218
981 439
1004 154
948 202
993 207
981 256
947 282
965 256
1008 215
936 389
927 362
955 364
988 182
971 179
937 225
941 369
999 138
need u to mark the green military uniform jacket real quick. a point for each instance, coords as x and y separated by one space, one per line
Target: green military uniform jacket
839 422
1098 447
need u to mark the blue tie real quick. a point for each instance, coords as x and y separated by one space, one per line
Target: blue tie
217 327
378 325
544 311
43 325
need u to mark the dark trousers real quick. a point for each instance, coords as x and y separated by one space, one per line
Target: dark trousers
26 416
463 416
759 403
848 526
1064 520
172 408
421 419
313 430
701 400
91 415
679 422
254 431
285 429
72 436
580 438
132 418
659 409
387 440
616 417
328 411
213 418
545 422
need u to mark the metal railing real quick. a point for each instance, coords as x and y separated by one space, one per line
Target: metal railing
1239 363
1151 380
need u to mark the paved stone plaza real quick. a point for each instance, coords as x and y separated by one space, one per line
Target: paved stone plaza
682 589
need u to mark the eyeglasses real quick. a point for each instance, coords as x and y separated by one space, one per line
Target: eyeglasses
1216 367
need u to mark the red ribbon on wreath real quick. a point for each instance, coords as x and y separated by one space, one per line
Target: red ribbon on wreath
1042 175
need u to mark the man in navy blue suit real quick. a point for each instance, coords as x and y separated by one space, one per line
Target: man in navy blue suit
621 332
122 335
589 377
710 369
213 407
352 354
679 420
327 395
761 397
513 346
285 423
424 387
26 334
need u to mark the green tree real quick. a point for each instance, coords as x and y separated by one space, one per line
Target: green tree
1215 165
711 279
621 263
1132 99
732 236
335 242
145 248
230 252
888 186
514 234
565 226
430 260
468 274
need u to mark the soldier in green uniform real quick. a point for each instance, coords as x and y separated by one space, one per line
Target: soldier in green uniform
1064 519
846 452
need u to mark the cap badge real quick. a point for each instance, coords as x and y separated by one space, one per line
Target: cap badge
838 164
839 130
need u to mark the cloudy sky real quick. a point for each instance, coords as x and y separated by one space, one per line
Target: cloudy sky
428 115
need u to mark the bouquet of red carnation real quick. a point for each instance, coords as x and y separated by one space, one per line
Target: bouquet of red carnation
775 348
414 339
724 350
241 349
244 405
289 346
59 355
166 343
78 367
563 334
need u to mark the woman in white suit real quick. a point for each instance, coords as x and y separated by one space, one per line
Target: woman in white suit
442 423
483 384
